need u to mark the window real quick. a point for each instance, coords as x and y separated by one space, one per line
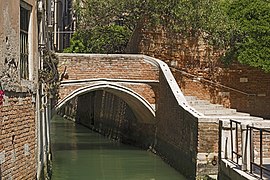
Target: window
24 48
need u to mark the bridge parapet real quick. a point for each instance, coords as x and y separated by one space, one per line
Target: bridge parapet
112 66
131 70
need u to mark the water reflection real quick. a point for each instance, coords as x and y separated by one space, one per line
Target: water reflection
80 154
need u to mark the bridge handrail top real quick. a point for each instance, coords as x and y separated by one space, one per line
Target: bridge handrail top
99 55
173 85
75 81
151 60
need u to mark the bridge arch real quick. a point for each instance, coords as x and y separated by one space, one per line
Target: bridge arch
141 108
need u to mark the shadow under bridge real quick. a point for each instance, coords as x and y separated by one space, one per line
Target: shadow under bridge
104 102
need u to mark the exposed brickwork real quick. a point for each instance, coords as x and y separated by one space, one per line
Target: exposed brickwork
236 86
87 67
18 123
125 67
18 137
265 144
66 90
208 137
145 90
177 132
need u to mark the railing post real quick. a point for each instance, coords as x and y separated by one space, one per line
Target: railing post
244 143
251 148
261 152
224 139
247 147
236 142
232 140
220 141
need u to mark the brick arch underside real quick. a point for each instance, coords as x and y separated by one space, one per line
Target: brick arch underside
138 104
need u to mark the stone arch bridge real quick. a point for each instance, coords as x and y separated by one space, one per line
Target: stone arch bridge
135 98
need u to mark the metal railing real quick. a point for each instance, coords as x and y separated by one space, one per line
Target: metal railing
235 149
253 164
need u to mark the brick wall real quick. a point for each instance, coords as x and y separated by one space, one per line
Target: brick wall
236 86
208 137
126 67
19 120
177 130
18 137
106 66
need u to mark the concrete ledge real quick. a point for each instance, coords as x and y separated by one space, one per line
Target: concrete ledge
229 169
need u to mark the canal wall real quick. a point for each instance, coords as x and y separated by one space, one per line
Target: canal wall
177 127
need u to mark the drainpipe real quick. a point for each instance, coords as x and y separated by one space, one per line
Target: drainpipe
39 97
48 117
55 39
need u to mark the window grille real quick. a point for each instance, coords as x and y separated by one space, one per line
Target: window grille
24 49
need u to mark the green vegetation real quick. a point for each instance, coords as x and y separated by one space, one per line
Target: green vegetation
250 35
100 39
240 27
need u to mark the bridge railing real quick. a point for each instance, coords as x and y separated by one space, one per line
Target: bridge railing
236 136
259 140
246 145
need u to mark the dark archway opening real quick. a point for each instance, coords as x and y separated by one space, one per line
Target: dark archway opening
111 116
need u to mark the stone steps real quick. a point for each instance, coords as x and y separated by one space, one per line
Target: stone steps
213 110
209 106
218 111
199 102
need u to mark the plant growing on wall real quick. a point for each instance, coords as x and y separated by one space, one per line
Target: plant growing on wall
49 75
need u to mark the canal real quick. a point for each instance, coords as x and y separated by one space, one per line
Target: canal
81 154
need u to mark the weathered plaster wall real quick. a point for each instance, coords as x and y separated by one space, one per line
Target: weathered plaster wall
9 38
10 46
18 122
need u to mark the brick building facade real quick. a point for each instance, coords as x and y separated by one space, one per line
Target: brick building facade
23 115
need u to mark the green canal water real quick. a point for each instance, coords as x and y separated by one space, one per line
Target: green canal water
81 154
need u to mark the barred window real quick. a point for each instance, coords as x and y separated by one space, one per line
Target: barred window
24 48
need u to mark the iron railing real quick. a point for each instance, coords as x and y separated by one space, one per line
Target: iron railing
235 150
261 166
